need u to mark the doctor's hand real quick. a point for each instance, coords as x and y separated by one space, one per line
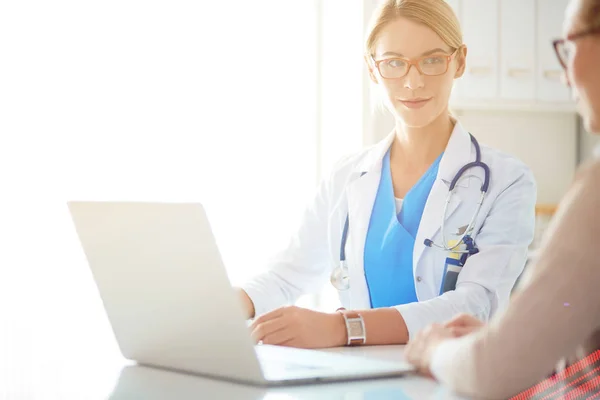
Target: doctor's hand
419 351
463 324
299 327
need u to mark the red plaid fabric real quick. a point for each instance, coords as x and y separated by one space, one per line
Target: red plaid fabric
578 381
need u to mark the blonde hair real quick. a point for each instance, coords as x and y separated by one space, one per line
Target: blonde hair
435 14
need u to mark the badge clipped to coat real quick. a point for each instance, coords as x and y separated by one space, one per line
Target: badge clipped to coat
456 259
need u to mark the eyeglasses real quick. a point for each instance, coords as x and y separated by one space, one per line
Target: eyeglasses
395 68
564 48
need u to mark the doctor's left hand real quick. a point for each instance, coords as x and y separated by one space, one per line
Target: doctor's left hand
419 351
299 327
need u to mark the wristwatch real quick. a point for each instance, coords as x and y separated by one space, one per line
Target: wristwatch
355 326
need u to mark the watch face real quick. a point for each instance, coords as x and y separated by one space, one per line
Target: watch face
356 329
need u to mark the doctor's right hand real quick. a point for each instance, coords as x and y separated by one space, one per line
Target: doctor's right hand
299 327
463 324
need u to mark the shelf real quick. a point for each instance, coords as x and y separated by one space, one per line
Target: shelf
504 105
546 209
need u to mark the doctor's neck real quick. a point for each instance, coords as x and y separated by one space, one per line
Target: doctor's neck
416 146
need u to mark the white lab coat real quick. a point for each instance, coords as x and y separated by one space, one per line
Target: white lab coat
503 231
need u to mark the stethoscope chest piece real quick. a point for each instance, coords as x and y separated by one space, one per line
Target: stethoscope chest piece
340 278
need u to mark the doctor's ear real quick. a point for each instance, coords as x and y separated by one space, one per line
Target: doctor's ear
461 60
371 71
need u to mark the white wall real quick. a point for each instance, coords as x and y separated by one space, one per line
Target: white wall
341 67
546 142
152 101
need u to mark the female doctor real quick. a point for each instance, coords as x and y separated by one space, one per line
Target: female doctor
391 198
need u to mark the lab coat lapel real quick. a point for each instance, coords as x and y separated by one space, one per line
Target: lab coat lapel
457 154
361 194
361 197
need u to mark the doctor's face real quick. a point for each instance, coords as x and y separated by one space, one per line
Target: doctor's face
415 98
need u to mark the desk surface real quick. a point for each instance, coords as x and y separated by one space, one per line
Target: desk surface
106 375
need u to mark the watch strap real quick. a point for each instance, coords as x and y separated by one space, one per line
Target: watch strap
353 315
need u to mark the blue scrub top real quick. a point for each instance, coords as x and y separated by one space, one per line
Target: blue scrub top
388 255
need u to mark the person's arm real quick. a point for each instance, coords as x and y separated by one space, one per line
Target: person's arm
499 262
384 326
304 328
556 310
246 301
487 277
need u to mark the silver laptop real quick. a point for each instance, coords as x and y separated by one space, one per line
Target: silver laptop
171 305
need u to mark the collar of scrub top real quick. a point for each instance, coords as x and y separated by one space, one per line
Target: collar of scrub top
460 155
373 161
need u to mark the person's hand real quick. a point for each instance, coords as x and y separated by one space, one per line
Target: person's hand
463 324
299 327
419 350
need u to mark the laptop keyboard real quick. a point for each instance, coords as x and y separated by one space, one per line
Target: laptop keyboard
287 366
286 363
290 359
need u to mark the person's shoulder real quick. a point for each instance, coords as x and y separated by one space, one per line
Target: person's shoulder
351 162
581 203
502 159
589 171
586 182
508 165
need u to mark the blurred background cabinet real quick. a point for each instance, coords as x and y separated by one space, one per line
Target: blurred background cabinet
511 63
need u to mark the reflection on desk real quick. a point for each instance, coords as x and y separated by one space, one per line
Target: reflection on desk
140 382
74 372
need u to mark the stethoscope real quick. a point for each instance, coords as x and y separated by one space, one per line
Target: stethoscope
340 278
